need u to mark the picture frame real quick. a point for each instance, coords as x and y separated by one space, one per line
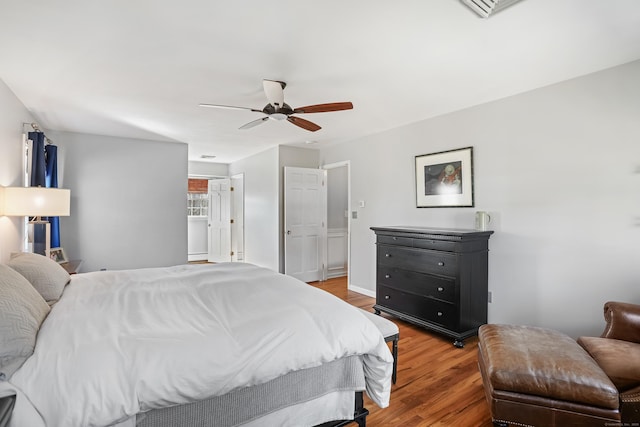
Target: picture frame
445 179
58 255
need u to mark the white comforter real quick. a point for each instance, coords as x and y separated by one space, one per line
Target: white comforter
122 342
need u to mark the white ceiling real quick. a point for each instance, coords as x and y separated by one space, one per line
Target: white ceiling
139 68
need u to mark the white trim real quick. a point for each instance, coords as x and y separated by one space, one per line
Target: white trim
362 291
197 257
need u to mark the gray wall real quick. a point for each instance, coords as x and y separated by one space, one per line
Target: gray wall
263 195
128 201
12 115
558 169
261 211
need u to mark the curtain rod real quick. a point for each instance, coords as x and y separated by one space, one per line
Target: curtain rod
35 127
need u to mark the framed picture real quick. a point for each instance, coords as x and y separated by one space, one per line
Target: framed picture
58 255
445 179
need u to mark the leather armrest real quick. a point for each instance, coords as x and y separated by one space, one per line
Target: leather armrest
623 321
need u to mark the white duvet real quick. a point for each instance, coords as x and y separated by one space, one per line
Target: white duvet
121 342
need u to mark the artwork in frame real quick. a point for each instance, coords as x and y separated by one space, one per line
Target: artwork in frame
58 255
445 179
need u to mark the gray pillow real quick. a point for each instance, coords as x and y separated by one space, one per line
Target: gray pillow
46 275
22 311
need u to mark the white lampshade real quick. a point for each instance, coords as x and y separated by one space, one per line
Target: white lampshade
35 201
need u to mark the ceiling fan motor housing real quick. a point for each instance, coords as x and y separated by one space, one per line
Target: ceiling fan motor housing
285 109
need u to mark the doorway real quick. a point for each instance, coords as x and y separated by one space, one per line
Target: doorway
215 212
338 220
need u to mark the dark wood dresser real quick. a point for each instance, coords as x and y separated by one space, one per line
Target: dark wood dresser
434 278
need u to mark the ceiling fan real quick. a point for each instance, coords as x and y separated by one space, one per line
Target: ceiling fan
277 109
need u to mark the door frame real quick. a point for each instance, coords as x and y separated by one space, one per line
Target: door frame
209 177
347 164
237 210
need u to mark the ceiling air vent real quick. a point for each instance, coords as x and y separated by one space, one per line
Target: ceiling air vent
485 8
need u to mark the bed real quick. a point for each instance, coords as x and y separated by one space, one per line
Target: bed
221 345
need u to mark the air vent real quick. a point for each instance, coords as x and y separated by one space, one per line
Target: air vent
207 156
485 8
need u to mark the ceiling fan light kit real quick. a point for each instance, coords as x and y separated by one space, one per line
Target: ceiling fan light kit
279 110
485 8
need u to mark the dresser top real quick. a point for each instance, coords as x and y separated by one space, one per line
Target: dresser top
460 232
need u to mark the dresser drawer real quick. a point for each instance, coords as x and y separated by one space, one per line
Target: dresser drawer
440 312
438 245
418 283
394 240
420 260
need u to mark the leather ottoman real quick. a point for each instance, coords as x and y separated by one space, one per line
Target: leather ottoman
541 377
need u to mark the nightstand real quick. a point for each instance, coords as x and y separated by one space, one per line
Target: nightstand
72 266
6 406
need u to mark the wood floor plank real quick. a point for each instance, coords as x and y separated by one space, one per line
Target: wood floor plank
438 384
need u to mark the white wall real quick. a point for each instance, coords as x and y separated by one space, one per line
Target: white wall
263 184
12 115
208 169
261 220
197 238
128 201
559 170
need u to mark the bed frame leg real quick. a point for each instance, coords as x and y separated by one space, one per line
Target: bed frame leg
360 415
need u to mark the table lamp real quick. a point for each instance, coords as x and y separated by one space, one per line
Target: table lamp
36 202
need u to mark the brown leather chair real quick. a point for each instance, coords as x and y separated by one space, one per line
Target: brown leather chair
541 377
617 352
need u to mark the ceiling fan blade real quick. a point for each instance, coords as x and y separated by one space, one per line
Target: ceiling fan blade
275 92
254 123
304 124
229 107
324 108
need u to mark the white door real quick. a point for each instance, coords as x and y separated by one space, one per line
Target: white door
305 216
219 220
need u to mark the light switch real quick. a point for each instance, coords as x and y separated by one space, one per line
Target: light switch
361 203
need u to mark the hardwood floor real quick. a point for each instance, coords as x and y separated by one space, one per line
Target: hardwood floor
437 385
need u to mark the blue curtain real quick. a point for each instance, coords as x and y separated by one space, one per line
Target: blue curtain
44 173
38 170
51 181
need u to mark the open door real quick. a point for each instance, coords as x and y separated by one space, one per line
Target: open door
219 220
305 216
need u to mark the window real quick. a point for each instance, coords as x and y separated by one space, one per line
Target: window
197 200
197 204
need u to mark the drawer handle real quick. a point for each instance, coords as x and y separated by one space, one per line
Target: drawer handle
387 255
441 264
440 289
439 314
387 276
387 297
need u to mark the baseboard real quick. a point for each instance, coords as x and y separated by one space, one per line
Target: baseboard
196 257
362 291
